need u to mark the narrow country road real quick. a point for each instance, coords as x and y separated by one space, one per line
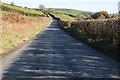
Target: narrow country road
55 54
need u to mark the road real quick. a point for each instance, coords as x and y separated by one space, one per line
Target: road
55 54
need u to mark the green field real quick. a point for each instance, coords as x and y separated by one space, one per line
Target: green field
23 11
64 17
74 12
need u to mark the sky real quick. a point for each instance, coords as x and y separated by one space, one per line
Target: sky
86 5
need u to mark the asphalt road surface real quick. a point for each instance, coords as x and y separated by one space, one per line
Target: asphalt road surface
55 54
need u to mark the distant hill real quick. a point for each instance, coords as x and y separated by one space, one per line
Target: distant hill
73 12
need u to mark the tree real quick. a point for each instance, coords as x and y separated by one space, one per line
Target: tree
100 15
42 7
119 7
12 3
105 13
25 7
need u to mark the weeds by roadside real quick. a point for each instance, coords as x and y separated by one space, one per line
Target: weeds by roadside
16 30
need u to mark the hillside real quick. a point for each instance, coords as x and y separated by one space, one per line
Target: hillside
73 12
23 11
63 16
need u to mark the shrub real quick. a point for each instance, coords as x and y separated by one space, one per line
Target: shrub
100 15
100 34
105 13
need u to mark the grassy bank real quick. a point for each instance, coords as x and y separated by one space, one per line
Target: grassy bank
63 17
100 34
17 29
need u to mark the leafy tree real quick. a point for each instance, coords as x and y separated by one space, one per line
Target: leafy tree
12 3
100 15
25 7
105 13
42 7
119 7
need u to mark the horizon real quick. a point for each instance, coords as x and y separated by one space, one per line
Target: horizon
111 6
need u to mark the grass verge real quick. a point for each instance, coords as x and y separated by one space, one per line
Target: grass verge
17 30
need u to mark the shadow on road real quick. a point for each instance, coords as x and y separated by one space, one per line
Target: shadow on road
54 54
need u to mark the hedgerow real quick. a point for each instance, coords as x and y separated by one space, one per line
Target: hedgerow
100 34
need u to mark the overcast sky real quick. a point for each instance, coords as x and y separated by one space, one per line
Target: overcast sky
86 5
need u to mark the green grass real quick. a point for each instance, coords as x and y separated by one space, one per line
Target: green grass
74 12
23 11
64 17
24 16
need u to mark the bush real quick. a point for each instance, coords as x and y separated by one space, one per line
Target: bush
100 15
105 13
100 34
